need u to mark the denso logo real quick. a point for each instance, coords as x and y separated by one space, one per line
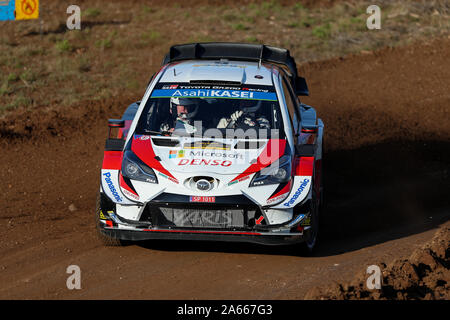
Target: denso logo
111 187
197 162
297 193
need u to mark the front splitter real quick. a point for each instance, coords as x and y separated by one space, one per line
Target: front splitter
204 235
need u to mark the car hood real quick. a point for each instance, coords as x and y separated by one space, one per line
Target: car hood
197 155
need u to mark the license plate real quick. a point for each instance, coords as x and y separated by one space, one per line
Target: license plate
202 199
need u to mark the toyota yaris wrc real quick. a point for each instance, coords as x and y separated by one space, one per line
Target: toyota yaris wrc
220 148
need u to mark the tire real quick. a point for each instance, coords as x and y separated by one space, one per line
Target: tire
104 239
307 248
311 235
322 174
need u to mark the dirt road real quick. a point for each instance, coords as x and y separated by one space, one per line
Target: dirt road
387 182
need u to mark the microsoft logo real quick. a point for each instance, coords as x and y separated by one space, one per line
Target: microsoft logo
176 154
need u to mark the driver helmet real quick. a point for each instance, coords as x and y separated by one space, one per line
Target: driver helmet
250 106
190 107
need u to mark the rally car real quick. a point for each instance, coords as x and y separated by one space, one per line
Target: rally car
219 148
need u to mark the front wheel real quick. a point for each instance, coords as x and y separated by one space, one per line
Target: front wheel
311 235
105 239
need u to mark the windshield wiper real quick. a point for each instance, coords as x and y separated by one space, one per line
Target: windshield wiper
157 132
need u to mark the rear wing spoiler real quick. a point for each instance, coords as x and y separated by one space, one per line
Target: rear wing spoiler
242 52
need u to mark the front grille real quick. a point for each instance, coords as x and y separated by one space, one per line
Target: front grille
201 217
204 218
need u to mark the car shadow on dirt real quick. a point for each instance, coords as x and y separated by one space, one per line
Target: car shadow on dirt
373 194
383 192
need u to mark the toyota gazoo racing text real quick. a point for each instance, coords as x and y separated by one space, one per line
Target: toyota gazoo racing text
219 148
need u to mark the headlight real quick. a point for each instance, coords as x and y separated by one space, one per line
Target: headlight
134 168
277 172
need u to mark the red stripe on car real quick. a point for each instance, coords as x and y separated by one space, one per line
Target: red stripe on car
124 185
112 160
273 150
143 149
286 189
304 166
260 219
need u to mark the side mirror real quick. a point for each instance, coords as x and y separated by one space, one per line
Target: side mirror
310 128
115 124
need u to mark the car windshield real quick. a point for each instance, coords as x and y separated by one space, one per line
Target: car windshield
180 110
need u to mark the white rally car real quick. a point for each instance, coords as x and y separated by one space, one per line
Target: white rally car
220 148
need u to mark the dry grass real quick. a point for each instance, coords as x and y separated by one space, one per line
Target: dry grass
121 45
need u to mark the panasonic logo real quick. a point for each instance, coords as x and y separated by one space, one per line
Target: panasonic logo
111 187
297 193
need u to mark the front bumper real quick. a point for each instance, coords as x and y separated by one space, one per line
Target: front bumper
239 228
204 235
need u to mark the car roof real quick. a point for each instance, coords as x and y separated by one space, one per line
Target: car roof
216 71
